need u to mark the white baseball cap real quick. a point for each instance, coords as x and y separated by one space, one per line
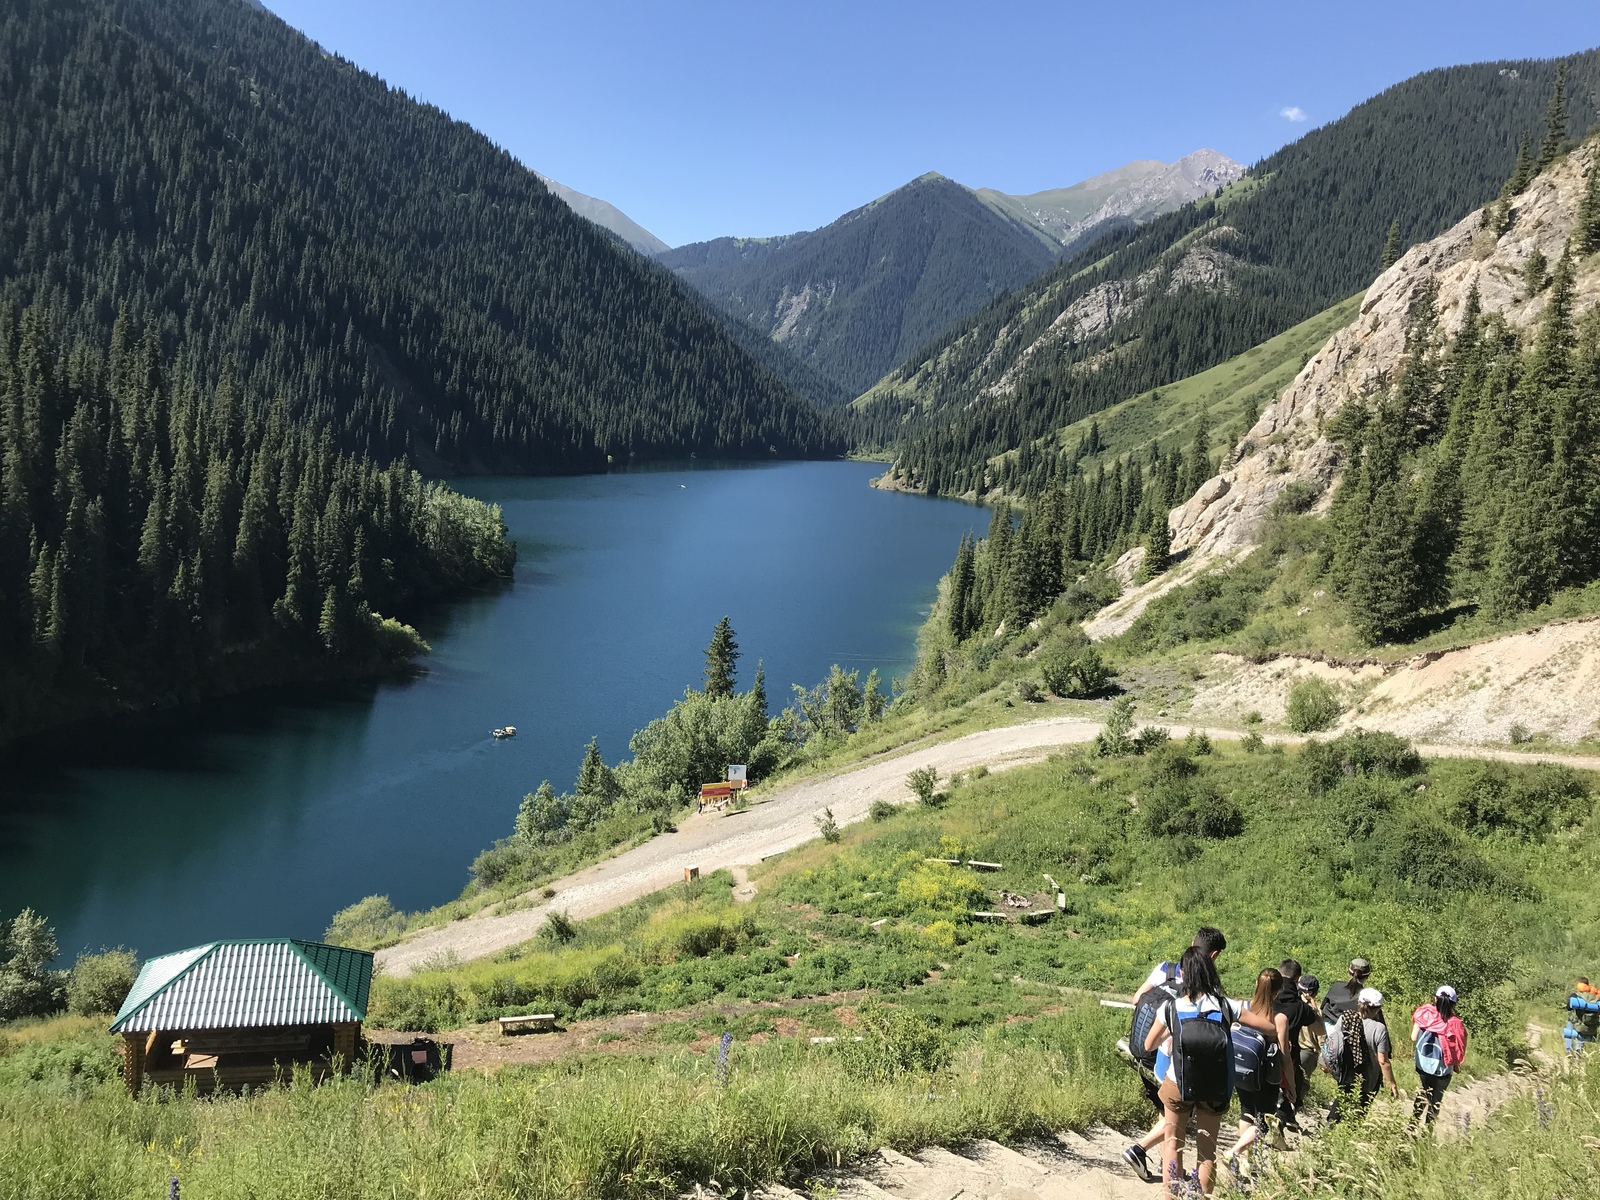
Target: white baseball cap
1371 997
1446 992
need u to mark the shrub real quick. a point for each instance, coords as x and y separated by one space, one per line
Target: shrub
1526 803
828 827
923 782
1027 691
1190 809
894 1041
1197 743
940 889
1114 740
1151 738
1313 705
1076 671
99 983
881 810
366 924
1358 752
1519 734
557 928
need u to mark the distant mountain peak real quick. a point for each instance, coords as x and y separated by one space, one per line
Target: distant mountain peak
1135 191
607 216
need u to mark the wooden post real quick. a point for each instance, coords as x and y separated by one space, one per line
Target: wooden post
133 1062
344 1043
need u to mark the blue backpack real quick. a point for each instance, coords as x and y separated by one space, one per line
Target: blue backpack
1430 1055
1255 1060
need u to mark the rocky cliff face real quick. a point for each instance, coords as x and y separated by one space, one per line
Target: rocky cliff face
1288 444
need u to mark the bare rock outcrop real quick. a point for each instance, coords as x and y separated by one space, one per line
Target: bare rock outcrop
1289 444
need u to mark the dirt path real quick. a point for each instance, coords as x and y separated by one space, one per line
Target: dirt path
712 841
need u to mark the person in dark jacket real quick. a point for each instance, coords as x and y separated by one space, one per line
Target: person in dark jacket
1342 997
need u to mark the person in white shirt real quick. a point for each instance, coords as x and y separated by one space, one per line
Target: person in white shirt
1201 1085
1167 976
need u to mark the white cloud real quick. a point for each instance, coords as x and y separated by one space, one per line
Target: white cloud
1293 113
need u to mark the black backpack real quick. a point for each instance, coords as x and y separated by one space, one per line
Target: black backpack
1145 1011
1202 1057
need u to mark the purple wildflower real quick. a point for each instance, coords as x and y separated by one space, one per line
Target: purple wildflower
172 1189
722 1059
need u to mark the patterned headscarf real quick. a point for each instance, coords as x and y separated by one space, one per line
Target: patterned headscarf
1355 1037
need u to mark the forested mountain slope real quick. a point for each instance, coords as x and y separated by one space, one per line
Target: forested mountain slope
1144 307
854 297
385 271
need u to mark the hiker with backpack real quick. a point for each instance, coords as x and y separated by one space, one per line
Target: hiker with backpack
1259 1060
1441 1045
1357 1052
1308 1047
1194 1061
1159 987
1342 997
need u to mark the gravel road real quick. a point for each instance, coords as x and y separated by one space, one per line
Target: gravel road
713 841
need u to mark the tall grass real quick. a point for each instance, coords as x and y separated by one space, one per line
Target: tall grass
1543 1143
597 1128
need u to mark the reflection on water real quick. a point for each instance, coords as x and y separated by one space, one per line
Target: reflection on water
263 814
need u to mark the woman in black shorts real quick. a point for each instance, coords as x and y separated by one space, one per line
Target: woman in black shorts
1258 1103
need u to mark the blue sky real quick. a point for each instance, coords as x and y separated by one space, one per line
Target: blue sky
701 119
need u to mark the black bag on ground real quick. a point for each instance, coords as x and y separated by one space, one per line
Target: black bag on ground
420 1060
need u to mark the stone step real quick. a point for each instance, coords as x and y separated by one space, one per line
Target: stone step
907 1178
973 1177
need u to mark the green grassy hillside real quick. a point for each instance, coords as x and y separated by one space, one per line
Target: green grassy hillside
1455 871
1227 396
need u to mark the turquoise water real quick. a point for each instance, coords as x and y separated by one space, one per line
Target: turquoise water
262 815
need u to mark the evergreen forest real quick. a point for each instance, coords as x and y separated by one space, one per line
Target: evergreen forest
163 537
385 273
1308 226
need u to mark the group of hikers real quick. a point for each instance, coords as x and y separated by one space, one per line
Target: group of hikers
1196 1050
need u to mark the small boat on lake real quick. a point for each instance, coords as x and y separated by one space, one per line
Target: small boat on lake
509 731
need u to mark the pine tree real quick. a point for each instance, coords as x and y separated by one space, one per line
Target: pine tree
1157 549
594 777
1555 122
1588 231
1418 394
1521 174
1392 249
758 693
959 612
1535 273
721 655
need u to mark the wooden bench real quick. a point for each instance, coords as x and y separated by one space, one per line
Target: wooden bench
540 1022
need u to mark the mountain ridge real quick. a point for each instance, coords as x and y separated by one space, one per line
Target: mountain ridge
852 297
608 216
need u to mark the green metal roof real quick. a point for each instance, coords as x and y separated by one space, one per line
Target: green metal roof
247 983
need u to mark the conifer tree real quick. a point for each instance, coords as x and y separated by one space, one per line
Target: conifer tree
1555 122
1157 549
1535 273
959 613
721 655
1392 249
1588 231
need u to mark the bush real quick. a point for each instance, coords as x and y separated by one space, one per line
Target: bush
558 928
1191 808
1526 803
1358 752
99 983
28 988
1114 740
881 810
923 781
1027 691
828 827
1313 706
894 1042
366 923
1076 671
1151 738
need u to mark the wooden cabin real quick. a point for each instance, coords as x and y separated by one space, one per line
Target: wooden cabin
242 1014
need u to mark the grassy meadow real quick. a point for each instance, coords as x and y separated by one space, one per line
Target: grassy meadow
1457 871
